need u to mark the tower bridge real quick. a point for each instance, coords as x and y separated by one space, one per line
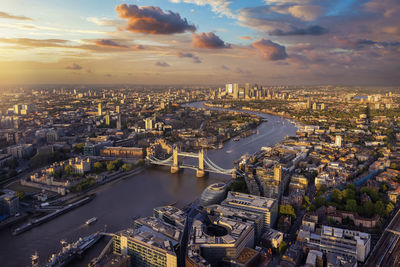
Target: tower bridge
205 165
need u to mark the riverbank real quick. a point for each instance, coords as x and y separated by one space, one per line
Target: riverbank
264 111
118 202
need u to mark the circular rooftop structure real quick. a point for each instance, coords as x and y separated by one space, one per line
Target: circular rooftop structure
213 194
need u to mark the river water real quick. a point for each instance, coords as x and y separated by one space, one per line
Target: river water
115 205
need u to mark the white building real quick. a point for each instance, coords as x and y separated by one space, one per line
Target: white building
338 141
344 242
268 207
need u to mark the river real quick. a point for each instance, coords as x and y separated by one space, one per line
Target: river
115 205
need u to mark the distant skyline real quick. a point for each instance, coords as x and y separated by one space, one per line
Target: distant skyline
275 42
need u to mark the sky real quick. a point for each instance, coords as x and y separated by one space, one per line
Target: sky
269 42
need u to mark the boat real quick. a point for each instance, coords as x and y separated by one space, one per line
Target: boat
35 260
228 151
91 220
236 139
69 252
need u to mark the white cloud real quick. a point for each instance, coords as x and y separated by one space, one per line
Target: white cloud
220 7
104 21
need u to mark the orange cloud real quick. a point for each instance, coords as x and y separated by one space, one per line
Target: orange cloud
74 66
4 15
208 40
109 43
245 37
152 20
270 50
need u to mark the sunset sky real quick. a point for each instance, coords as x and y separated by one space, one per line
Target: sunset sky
277 42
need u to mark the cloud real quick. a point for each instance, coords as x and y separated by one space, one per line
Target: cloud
105 21
241 71
270 50
225 67
4 15
389 8
220 7
311 30
307 13
152 20
162 64
109 43
245 37
365 43
208 40
27 42
74 66
195 58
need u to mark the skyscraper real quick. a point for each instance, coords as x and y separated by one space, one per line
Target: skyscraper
235 90
338 141
100 112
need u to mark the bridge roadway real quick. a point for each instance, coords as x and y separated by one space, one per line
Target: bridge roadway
205 164
387 251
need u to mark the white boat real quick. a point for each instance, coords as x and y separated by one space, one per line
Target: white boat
91 220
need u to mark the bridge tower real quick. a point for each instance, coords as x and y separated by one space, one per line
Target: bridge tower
200 170
175 163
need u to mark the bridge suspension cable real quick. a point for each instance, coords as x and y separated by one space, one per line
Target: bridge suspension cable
214 166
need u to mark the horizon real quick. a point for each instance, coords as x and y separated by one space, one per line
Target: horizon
200 42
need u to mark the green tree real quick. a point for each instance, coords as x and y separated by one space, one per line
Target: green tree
351 187
98 167
20 194
111 166
383 188
78 148
307 200
320 201
68 170
351 205
337 196
127 167
238 185
368 209
282 247
348 194
380 208
287 210
389 208
370 192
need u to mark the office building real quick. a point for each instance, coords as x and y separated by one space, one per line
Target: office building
122 152
267 207
255 219
99 110
93 149
108 120
235 90
221 238
338 141
9 203
171 215
146 247
348 243
20 151
148 123
213 194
